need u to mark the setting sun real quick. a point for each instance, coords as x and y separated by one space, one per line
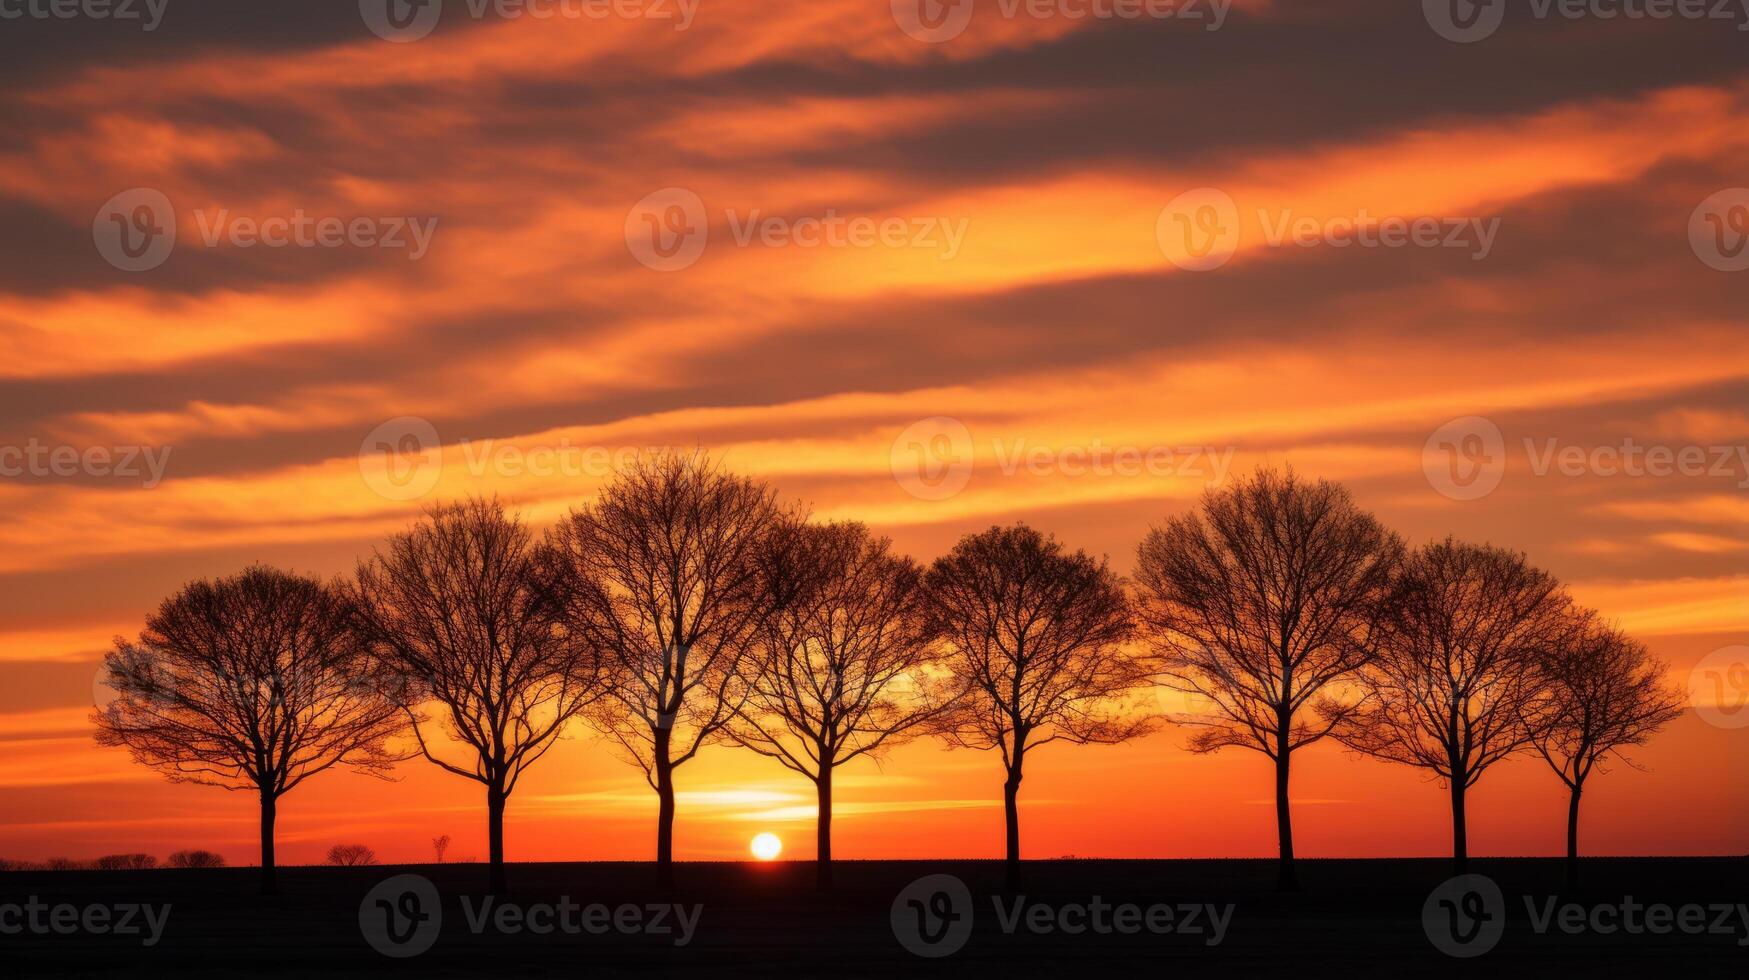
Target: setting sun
766 847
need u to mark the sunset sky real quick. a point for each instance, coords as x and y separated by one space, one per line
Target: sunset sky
995 216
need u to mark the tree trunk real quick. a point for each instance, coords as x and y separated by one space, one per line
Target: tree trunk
1460 847
823 831
1010 805
269 873
1288 879
664 809
1573 839
495 837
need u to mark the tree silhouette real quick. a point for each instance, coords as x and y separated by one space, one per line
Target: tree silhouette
125 862
440 846
351 855
254 682
1598 693
664 581
1457 666
1259 602
458 607
1036 637
196 859
844 666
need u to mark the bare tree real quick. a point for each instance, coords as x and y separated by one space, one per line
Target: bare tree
351 855
664 581
1597 694
1457 665
196 859
125 862
440 845
458 607
845 666
1037 641
1257 604
254 682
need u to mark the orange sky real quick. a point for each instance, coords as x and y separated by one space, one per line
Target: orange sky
1028 162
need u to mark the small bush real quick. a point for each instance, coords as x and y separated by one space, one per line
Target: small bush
351 855
196 859
126 862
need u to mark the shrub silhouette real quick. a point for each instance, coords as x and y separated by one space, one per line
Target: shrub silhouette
351 855
125 862
196 859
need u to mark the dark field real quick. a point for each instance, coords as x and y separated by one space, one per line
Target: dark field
1352 918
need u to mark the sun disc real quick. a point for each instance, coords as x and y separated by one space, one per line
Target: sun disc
767 847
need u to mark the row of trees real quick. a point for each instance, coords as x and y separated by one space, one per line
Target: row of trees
687 606
119 862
